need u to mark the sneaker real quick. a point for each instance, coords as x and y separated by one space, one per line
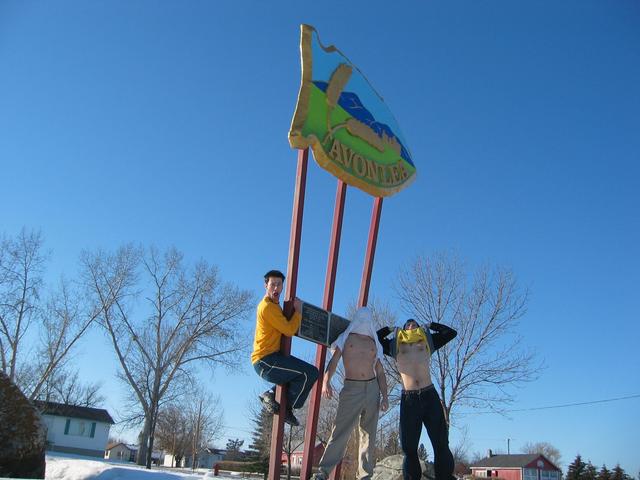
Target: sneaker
268 400
291 419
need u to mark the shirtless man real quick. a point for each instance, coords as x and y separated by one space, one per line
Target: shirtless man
359 400
412 347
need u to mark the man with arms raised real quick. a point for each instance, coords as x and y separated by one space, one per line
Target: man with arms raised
412 347
359 400
266 358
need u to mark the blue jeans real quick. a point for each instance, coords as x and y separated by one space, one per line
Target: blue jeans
297 374
418 407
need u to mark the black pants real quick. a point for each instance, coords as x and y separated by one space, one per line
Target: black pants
419 407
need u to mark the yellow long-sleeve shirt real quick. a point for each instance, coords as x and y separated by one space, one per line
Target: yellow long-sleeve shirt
271 324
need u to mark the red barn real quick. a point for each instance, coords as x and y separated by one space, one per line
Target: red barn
525 466
296 457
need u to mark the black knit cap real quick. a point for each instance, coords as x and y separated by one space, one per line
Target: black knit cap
404 327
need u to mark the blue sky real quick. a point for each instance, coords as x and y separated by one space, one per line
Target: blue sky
166 123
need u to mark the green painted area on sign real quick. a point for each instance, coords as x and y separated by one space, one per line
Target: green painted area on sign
316 124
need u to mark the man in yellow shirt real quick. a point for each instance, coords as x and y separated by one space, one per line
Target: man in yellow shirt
268 362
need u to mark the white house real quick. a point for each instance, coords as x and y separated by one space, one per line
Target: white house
74 429
121 452
206 458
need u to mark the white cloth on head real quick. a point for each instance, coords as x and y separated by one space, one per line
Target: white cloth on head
361 324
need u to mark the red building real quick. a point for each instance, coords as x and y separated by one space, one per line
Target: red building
526 466
296 457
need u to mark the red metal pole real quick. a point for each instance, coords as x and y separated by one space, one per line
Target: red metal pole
277 429
321 350
371 252
366 276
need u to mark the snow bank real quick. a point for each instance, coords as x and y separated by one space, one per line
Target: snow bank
67 467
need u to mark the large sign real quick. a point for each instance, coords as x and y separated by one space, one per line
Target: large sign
342 118
320 326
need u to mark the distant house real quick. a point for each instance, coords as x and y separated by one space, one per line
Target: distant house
74 429
128 452
205 458
296 457
121 452
526 466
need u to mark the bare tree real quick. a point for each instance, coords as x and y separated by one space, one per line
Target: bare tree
65 386
392 443
61 320
187 316
293 439
387 437
206 419
326 417
172 432
486 357
476 457
546 449
460 450
22 264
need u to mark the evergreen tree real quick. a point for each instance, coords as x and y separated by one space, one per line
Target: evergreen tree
233 448
604 473
577 469
422 453
590 472
260 446
392 444
618 473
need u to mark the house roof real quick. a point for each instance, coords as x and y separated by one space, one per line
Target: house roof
62 410
111 446
216 451
514 460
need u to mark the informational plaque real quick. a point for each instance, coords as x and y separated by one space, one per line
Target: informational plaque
320 326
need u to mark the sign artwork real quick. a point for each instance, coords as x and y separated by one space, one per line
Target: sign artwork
350 130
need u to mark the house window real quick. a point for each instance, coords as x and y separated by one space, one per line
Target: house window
80 428
531 474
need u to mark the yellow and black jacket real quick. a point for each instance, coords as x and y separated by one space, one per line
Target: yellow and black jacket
434 341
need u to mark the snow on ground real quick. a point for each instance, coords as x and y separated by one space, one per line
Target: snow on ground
71 467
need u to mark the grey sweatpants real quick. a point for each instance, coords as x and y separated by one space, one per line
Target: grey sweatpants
358 402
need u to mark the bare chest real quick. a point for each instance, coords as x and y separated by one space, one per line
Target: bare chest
413 353
359 348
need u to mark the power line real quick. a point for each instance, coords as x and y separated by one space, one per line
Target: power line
565 405
229 427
